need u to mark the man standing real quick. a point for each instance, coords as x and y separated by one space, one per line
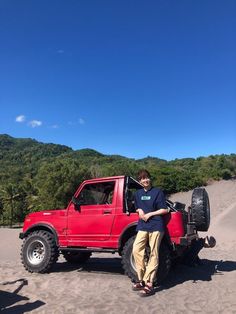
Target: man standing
150 204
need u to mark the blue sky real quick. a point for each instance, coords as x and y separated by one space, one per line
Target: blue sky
134 78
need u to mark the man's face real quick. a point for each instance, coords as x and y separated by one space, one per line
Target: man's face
146 182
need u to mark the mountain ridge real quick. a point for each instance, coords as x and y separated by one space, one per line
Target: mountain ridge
35 175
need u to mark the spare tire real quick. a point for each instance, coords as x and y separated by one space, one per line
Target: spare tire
200 209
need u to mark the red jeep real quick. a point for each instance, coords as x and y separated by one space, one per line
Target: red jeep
101 218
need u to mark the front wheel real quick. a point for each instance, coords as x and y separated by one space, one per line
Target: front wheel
129 267
39 251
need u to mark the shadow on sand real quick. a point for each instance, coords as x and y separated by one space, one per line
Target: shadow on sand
204 272
179 274
97 265
8 299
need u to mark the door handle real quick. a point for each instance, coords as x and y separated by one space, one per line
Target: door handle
107 211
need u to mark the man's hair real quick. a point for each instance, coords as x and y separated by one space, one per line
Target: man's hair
143 174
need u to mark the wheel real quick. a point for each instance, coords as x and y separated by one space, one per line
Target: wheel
128 260
39 251
129 267
76 257
164 263
200 209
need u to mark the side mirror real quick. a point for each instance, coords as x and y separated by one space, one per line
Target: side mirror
76 203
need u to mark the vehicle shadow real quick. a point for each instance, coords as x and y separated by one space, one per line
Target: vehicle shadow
99 265
178 274
8 299
204 272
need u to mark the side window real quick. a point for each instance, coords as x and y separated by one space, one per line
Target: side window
97 193
130 200
131 188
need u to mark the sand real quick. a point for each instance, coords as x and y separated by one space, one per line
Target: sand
101 287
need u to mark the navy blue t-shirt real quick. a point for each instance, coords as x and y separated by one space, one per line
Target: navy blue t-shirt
150 201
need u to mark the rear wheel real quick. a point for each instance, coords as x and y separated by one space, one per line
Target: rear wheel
164 263
76 257
39 251
128 260
200 209
129 267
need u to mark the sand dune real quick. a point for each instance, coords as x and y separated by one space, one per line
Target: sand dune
100 286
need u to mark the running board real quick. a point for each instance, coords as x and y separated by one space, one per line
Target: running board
88 249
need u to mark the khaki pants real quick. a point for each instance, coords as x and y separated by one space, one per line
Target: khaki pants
147 272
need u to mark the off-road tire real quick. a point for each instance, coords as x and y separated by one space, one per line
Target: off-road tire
200 209
129 266
76 257
164 264
39 251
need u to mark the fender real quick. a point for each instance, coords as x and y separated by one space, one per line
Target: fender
40 226
129 231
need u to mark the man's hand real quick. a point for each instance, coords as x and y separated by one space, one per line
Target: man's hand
158 212
140 213
147 216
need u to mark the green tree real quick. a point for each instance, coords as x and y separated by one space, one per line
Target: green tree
9 196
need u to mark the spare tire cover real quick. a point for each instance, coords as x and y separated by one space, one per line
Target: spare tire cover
200 209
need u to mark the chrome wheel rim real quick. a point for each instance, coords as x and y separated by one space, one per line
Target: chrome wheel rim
36 252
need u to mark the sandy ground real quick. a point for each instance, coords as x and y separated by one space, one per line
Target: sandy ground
101 287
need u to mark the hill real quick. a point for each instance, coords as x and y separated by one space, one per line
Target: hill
35 176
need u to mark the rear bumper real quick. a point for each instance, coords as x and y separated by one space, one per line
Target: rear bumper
185 241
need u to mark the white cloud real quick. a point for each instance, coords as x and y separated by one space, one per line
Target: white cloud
60 51
20 118
81 121
35 123
54 126
74 123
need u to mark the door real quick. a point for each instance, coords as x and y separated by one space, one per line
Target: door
91 223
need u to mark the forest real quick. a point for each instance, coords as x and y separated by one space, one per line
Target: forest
36 176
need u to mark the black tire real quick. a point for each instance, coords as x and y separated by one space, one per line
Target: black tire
129 265
76 257
200 209
127 260
39 251
164 263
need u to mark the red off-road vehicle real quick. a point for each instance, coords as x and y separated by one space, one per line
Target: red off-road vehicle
101 218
